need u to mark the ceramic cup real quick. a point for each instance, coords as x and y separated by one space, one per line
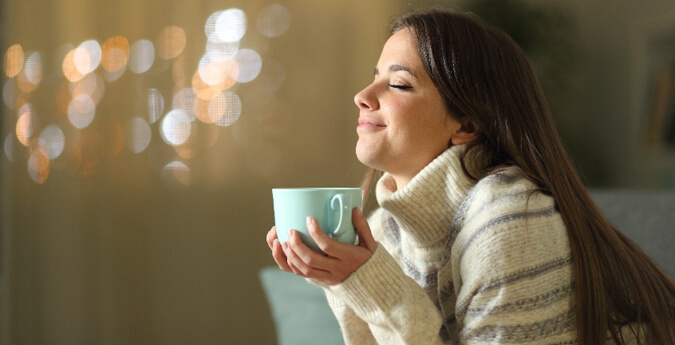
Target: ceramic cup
331 207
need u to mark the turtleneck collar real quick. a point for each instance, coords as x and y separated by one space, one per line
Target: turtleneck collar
424 208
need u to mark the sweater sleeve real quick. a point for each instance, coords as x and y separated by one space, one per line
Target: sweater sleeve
395 308
354 330
377 302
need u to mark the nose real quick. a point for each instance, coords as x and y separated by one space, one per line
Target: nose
366 99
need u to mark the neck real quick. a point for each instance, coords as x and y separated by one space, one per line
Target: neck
425 204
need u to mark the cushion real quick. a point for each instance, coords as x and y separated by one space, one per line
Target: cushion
646 217
300 311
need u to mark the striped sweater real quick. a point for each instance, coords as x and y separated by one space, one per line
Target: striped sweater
461 262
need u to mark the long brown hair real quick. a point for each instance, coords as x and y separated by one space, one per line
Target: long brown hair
484 77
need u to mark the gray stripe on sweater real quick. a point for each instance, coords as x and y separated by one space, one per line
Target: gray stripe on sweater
426 280
525 304
528 273
547 212
523 333
458 221
393 232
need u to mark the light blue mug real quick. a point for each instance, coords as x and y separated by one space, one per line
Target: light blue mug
331 207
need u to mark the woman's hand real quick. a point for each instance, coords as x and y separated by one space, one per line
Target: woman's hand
340 260
277 251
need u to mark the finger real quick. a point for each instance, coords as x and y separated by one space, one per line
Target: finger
307 255
302 269
292 260
296 271
280 257
271 236
325 243
289 261
366 238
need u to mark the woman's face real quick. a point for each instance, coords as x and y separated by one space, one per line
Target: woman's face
403 124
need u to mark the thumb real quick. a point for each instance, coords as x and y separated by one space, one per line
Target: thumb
366 238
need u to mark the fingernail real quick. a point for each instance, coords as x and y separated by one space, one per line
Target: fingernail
310 220
284 246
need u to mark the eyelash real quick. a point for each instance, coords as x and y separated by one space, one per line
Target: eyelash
400 87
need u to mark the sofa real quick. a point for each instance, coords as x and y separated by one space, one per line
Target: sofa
301 314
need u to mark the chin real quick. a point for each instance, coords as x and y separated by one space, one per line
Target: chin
368 157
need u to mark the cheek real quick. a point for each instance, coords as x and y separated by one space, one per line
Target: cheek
399 106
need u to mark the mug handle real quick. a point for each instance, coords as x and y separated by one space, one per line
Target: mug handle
338 230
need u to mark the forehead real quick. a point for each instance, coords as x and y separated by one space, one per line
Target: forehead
400 48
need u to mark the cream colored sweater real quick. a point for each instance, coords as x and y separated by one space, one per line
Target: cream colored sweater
459 262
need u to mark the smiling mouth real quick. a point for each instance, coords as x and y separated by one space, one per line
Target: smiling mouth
368 123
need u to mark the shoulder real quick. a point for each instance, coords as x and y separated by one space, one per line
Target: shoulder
508 223
504 194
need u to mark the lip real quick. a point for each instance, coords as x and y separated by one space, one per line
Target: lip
368 123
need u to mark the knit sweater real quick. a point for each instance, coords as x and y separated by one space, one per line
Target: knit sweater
460 262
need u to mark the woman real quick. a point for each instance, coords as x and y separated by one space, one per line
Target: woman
485 232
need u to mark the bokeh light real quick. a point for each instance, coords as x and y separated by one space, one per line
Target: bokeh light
217 107
81 111
202 111
52 141
111 76
115 53
25 86
184 100
221 51
87 56
91 85
187 150
142 56
230 25
70 71
171 42
175 128
211 72
116 137
26 124
249 63
138 134
13 61
203 90
38 166
212 110
9 93
232 109
176 171
30 76
63 96
89 66
224 73
33 68
155 105
274 20
9 147
86 85
210 27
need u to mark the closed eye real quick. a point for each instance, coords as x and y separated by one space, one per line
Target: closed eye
401 87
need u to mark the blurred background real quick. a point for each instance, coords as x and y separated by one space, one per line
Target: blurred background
141 139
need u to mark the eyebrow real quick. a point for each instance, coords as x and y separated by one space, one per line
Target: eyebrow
396 68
